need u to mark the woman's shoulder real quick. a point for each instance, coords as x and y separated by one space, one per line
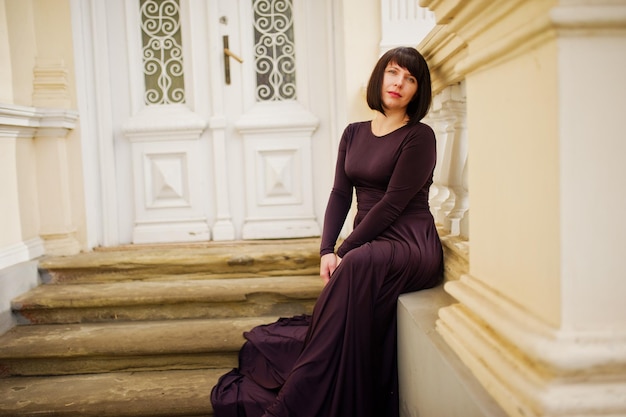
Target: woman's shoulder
421 128
421 131
420 134
356 128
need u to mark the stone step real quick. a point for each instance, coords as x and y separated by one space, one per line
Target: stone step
146 330
123 347
182 393
161 300
211 260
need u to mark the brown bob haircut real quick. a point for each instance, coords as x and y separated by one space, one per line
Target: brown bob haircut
415 63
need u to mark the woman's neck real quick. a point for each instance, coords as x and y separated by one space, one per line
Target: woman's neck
385 124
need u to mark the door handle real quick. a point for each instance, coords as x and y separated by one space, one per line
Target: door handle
227 55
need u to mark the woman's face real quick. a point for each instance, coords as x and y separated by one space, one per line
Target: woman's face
399 87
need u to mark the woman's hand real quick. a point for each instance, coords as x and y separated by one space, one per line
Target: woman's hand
328 264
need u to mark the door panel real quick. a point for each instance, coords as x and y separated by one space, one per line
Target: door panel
233 158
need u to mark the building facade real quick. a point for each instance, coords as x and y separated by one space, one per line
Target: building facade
145 121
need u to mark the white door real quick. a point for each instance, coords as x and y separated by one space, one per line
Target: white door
215 120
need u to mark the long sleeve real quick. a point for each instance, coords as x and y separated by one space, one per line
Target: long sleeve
339 201
412 172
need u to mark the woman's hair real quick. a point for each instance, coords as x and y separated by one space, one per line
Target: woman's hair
415 63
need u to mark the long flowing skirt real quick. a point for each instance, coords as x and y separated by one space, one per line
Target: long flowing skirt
345 363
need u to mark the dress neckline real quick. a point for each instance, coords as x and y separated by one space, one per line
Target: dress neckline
386 134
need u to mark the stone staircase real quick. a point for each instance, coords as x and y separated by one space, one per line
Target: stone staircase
146 330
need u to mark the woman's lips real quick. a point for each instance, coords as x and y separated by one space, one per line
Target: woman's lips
394 94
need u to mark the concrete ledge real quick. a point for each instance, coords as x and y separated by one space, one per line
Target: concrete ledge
433 380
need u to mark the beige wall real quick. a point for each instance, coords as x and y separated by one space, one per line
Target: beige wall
9 207
6 74
55 41
592 93
27 184
36 35
361 25
23 42
514 180
539 319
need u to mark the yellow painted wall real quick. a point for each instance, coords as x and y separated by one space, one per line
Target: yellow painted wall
6 74
593 190
27 184
514 180
362 32
23 49
55 41
34 31
9 207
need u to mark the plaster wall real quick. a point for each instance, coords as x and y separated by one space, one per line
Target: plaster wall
9 228
53 31
23 44
514 180
592 93
362 33
27 185
6 74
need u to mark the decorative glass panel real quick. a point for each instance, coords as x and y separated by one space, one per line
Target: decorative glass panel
274 50
162 52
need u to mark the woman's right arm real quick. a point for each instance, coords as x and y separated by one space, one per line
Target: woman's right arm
337 208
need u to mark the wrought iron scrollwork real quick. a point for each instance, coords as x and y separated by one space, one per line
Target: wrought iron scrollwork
274 50
162 52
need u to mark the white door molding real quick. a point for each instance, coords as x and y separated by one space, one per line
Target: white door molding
279 194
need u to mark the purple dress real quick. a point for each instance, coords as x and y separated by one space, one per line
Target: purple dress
348 363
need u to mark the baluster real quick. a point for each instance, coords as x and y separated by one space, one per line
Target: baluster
464 222
460 203
449 197
454 208
439 191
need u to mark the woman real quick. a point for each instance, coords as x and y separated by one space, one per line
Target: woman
348 365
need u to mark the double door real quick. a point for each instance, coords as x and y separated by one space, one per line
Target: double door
214 122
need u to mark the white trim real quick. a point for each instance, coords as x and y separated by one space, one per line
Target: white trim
81 39
37 121
135 61
21 252
248 72
187 230
301 32
169 122
223 227
94 104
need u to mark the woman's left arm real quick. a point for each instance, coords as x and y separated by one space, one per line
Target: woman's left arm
412 170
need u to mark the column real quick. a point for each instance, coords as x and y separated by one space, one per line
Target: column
539 318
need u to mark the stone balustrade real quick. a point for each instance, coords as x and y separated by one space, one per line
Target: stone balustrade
449 193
